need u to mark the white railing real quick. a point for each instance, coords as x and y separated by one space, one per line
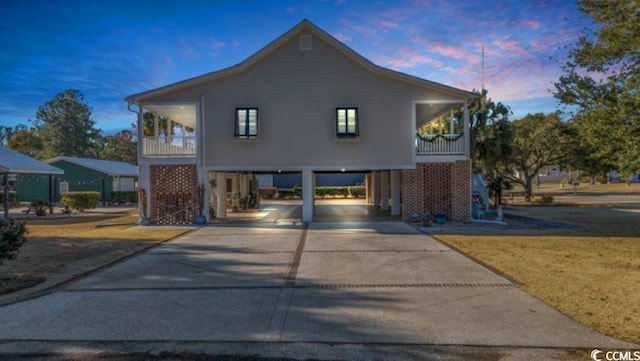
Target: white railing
176 146
430 144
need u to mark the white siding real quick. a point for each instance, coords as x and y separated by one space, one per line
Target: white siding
297 93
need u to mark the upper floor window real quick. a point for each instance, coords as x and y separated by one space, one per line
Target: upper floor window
246 123
347 122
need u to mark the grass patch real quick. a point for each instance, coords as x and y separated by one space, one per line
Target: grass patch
62 249
591 274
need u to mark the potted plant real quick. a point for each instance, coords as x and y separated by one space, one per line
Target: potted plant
200 219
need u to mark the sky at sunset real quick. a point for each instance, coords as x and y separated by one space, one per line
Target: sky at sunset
111 49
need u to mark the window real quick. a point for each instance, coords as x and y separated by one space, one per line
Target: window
347 122
246 123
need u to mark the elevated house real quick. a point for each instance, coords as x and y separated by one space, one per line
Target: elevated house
305 103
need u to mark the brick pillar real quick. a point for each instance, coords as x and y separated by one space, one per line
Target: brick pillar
412 183
461 189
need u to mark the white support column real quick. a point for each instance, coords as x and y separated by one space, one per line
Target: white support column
307 195
221 194
375 188
167 131
451 125
140 137
367 188
384 191
395 193
155 126
467 129
235 190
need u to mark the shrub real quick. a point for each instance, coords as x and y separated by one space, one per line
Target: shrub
358 191
344 192
124 197
13 198
268 193
12 237
40 207
545 199
81 200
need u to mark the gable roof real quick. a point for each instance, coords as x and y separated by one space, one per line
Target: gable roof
17 163
307 26
108 167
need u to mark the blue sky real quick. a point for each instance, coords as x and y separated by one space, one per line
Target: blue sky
111 49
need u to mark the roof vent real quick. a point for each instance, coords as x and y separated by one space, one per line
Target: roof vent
305 42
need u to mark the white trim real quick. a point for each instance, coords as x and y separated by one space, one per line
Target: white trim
323 168
441 158
168 161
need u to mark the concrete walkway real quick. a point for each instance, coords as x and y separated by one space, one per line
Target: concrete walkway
378 283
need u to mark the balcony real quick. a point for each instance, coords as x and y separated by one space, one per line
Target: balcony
440 144
174 146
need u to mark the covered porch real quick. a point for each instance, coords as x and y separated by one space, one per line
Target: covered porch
168 130
441 128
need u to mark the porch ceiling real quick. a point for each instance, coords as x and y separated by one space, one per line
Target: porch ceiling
181 113
427 112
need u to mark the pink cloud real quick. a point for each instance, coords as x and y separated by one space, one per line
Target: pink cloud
531 24
511 46
342 37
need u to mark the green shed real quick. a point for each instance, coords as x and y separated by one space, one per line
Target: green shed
83 174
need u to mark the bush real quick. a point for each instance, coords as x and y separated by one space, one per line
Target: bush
268 193
13 198
358 191
545 199
124 197
344 192
11 238
40 207
81 200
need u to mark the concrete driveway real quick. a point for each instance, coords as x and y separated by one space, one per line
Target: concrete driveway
345 283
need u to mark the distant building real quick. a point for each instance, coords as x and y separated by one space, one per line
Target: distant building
80 174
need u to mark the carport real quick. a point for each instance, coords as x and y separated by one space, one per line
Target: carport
12 162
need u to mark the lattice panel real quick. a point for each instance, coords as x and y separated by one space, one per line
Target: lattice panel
173 193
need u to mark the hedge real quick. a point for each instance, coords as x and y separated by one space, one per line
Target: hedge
341 192
321 192
121 197
81 200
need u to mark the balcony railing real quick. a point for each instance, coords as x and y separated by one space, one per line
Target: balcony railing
440 144
176 146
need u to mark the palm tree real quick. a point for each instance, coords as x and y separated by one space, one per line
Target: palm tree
491 134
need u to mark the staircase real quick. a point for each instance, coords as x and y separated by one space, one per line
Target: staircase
479 196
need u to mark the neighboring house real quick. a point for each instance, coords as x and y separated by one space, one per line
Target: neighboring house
84 174
14 165
80 174
305 103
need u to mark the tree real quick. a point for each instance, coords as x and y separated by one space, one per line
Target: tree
539 140
491 134
26 141
601 82
5 135
121 146
66 127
